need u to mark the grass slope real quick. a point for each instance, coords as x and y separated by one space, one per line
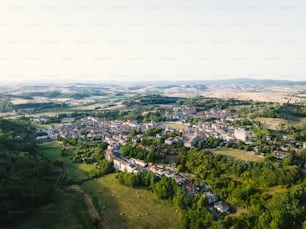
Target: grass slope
238 154
125 207
120 206
67 211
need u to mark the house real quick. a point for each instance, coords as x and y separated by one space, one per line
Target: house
221 207
170 141
211 197
240 134
153 168
179 179
120 164
190 188
124 166
280 155
109 155
139 162
304 145
168 173
192 139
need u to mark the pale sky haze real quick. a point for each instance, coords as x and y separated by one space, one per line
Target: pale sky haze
141 40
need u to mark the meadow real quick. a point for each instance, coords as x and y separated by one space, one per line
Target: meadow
119 206
238 154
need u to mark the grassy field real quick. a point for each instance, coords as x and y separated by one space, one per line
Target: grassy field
52 151
67 211
175 125
120 206
125 207
272 123
238 154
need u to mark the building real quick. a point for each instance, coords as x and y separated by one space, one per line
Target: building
192 139
211 197
109 155
124 166
240 134
304 145
120 164
139 162
221 207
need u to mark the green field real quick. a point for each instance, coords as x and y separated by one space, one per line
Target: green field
119 206
126 207
66 211
52 151
175 125
238 154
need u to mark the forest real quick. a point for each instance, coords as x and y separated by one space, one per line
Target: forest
244 185
26 180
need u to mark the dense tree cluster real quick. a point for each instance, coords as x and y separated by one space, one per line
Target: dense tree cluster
26 181
136 114
298 132
39 107
151 99
207 103
244 184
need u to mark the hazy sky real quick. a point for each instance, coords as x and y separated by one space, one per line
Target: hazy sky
96 40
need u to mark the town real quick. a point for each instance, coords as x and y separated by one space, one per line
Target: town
214 123
189 162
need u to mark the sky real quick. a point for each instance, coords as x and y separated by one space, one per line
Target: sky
142 40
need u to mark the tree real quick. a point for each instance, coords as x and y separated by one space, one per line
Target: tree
165 188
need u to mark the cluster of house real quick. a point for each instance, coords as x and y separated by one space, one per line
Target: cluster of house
184 113
96 129
117 132
220 205
136 166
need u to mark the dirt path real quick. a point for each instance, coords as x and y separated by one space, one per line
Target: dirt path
92 211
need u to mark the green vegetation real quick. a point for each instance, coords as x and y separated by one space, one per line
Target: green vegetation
245 185
151 100
137 115
53 152
261 193
206 103
238 154
5 105
67 210
39 107
126 207
175 125
119 206
26 181
80 94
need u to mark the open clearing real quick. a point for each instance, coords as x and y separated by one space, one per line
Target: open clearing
125 207
118 206
66 211
52 151
176 125
272 123
238 154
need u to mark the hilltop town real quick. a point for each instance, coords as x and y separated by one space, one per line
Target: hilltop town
214 161
177 129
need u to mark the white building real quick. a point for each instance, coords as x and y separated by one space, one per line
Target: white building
240 134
